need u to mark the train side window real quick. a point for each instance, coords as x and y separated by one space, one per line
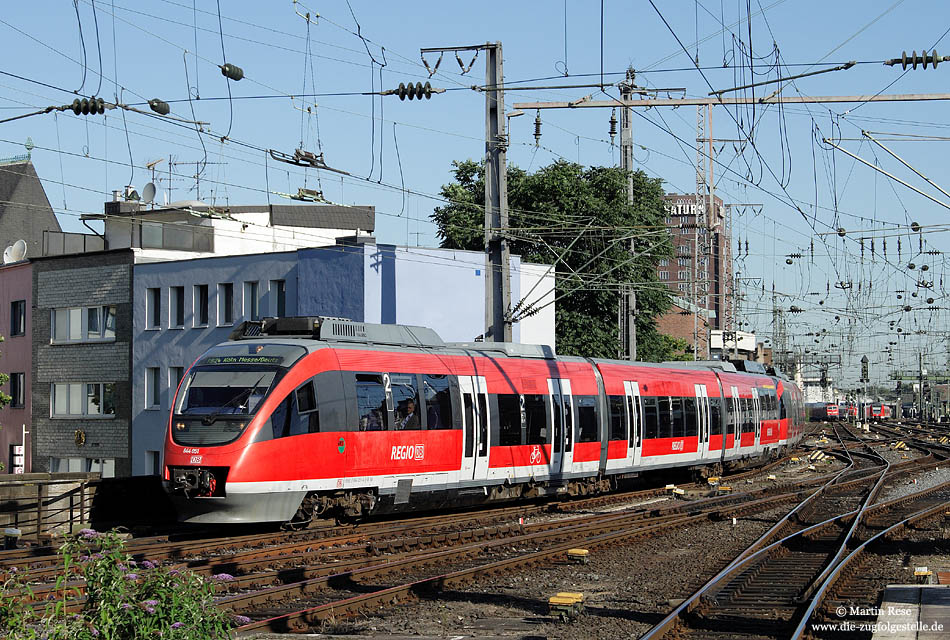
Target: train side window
509 419
677 418
469 408
280 417
482 425
689 417
536 419
587 419
636 418
406 401
665 425
651 418
715 416
618 421
438 399
307 419
371 402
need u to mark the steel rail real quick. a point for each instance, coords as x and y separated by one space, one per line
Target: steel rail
818 597
744 559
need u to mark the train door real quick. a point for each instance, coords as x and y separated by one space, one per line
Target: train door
702 418
631 392
736 418
562 445
475 442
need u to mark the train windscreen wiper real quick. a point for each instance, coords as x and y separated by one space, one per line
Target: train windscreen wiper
242 396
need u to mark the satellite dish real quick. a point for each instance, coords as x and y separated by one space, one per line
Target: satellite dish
7 258
18 250
148 193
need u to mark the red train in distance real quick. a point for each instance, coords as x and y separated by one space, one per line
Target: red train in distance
295 418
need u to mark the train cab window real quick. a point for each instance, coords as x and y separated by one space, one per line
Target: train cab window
651 418
618 420
406 401
665 424
677 418
371 402
715 416
587 419
689 416
509 419
438 399
536 419
307 417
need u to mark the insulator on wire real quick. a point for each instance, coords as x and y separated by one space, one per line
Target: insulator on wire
88 106
613 125
913 59
537 128
416 91
159 106
232 72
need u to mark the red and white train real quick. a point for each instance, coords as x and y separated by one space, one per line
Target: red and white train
295 417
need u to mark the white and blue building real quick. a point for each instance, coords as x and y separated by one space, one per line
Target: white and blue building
182 307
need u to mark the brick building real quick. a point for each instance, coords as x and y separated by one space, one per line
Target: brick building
82 358
699 274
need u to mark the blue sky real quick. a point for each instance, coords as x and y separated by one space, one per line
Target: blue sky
145 48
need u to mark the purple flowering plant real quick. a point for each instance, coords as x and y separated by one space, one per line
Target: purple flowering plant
152 601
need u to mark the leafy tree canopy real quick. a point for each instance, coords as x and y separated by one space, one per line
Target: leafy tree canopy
578 218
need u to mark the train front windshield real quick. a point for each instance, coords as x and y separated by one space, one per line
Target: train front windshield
225 389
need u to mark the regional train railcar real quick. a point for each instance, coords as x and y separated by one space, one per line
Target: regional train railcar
347 417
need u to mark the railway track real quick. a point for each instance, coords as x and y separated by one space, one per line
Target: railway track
768 589
318 575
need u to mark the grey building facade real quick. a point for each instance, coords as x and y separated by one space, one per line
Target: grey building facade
179 310
82 355
25 212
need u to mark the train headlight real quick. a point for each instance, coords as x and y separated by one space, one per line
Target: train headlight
179 426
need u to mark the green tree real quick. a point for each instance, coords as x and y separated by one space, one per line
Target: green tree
578 218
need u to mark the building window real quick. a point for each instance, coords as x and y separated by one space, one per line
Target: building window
83 399
225 304
153 463
176 307
153 388
201 305
252 309
683 262
17 390
664 275
683 275
18 318
665 262
681 286
175 374
682 250
153 309
82 324
278 290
